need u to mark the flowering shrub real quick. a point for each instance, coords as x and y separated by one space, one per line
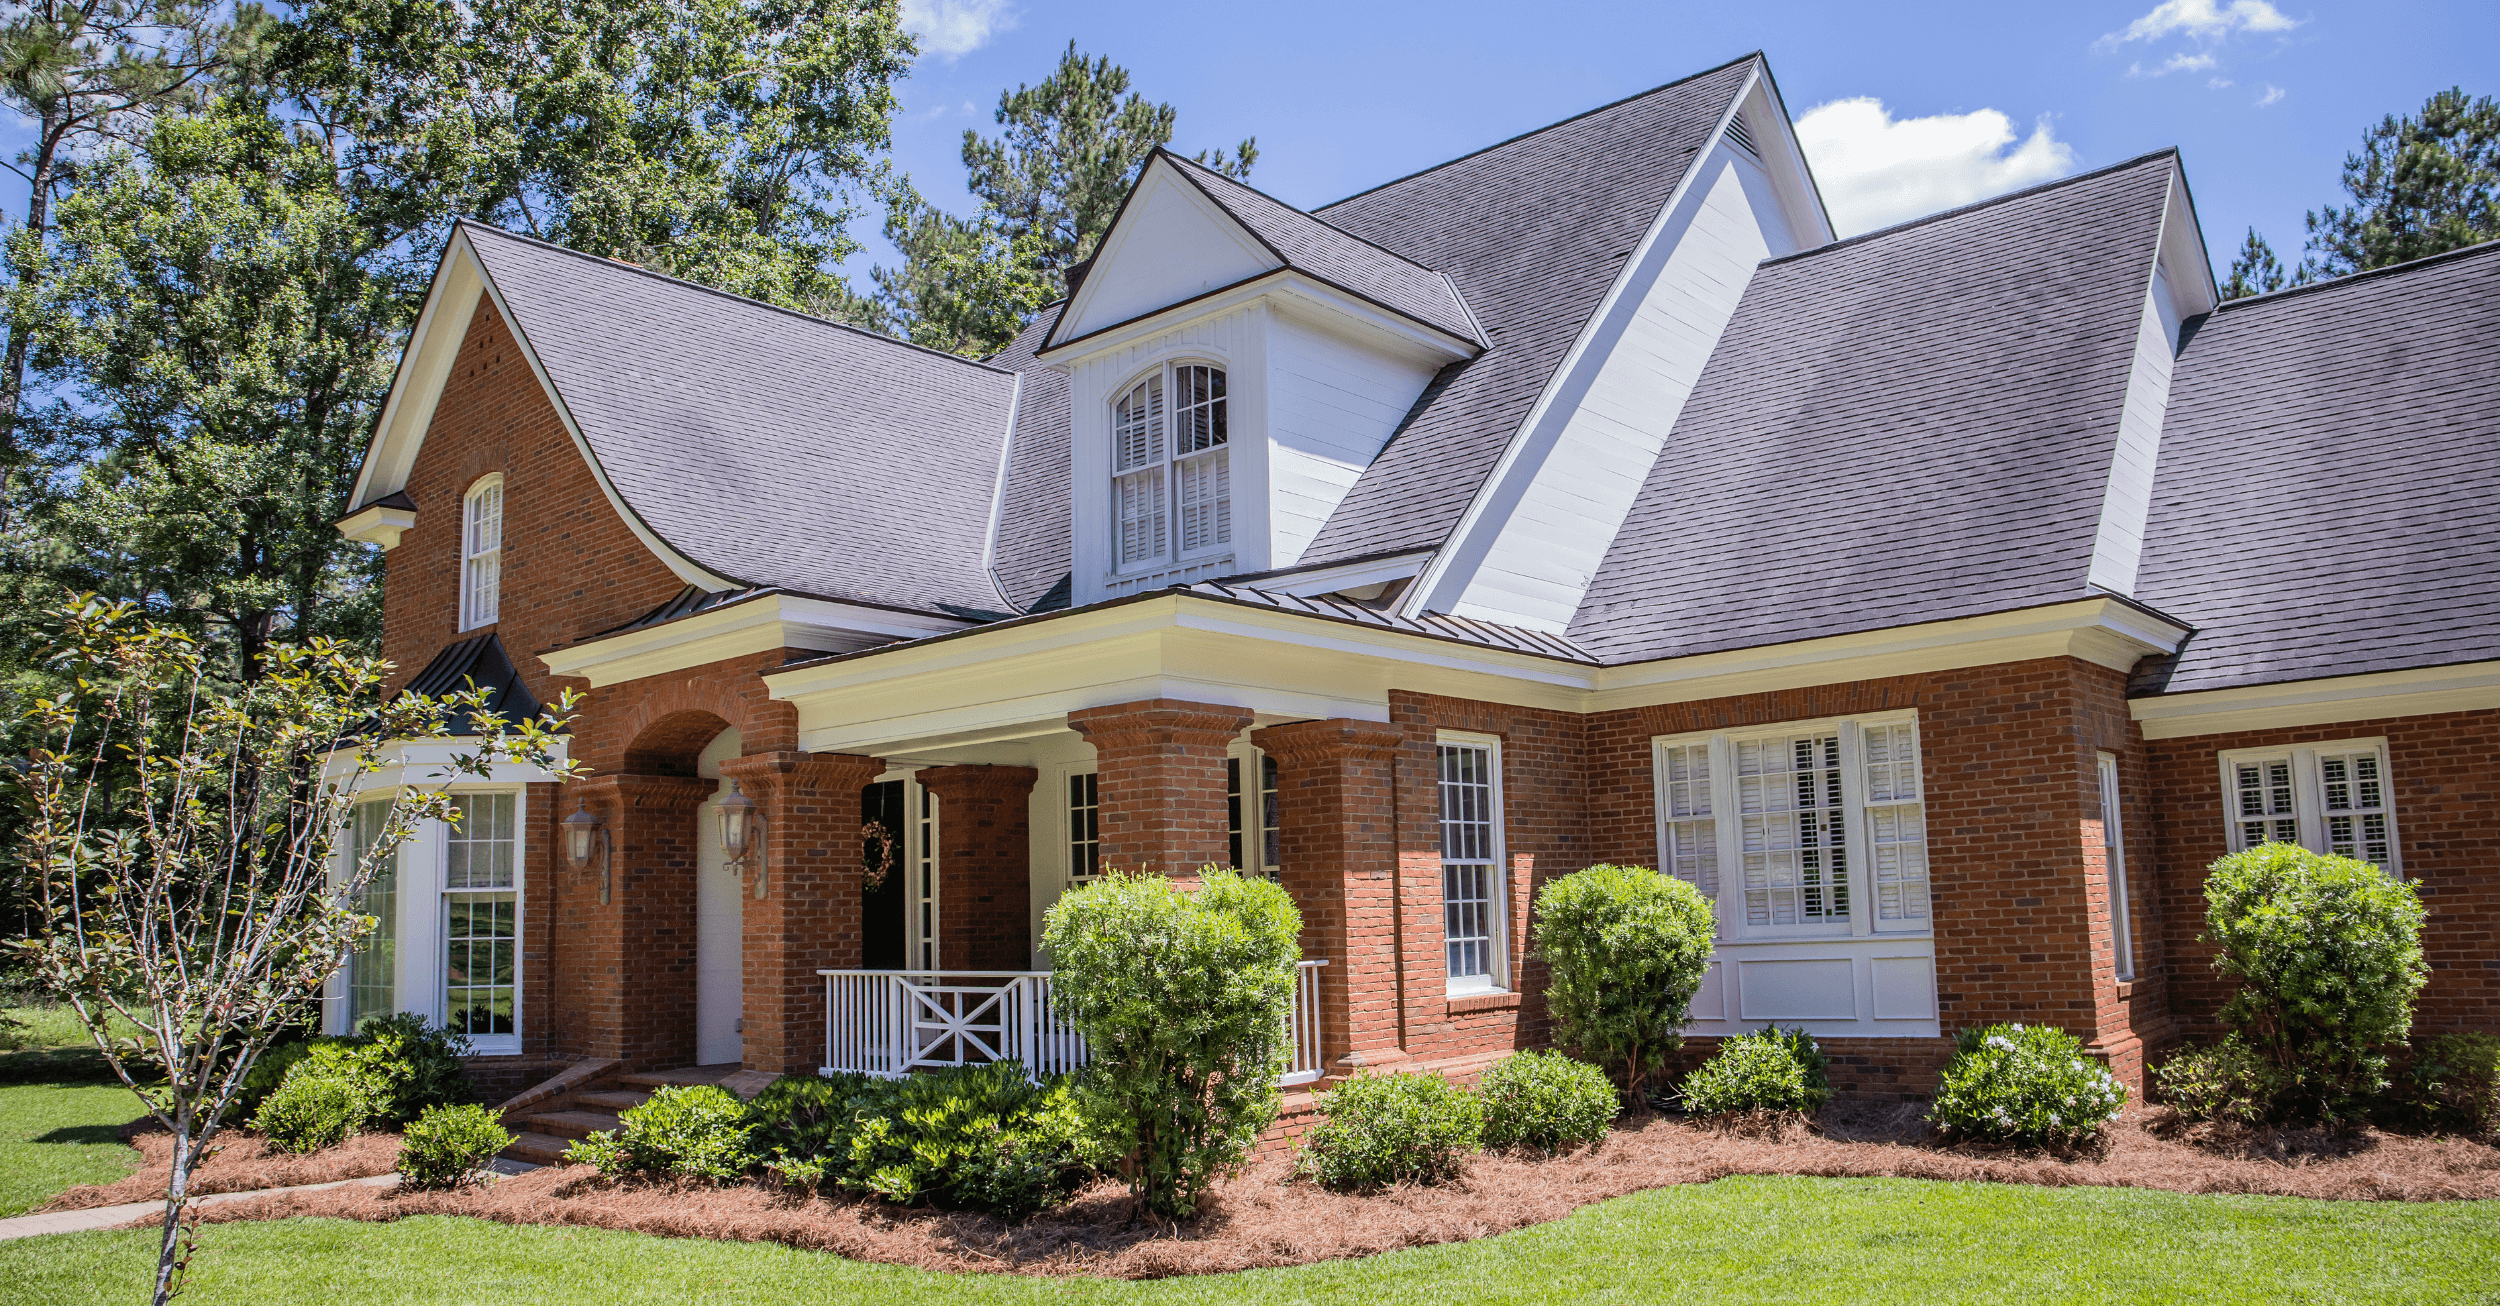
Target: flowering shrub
1390 1129
2024 1084
688 1129
1627 948
1769 1070
1546 1101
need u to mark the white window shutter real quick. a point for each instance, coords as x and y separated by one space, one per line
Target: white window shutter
1691 833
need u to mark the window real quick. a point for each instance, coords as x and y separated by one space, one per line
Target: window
373 969
1823 825
2114 857
482 917
1084 828
1471 862
2328 798
481 553
1171 483
1256 838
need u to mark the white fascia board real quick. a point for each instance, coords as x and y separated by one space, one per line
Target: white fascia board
998 492
1161 176
1286 289
2467 687
377 525
756 625
424 366
2183 249
1340 576
1785 160
428 763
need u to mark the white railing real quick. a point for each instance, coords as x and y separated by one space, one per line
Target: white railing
892 1022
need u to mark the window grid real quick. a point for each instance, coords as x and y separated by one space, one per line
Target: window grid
1271 824
1171 466
481 916
1138 458
2353 794
1252 816
1896 822
1794 835
925 883
2114 858
482 555
1692 836
373 971
1084 828
2335 798
2264 801
1469 849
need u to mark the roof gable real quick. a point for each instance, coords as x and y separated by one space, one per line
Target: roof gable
1168 244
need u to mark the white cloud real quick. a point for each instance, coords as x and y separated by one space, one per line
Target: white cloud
2273 93
2203 19
1876 170
958 27
2177 63
2218 83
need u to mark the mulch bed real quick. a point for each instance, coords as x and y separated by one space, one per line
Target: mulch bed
1263 1219
241 1162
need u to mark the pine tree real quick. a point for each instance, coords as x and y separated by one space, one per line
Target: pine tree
2420 185
2256 271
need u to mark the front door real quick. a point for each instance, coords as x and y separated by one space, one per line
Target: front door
720 926
885 916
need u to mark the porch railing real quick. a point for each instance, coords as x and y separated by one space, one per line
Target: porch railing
892 1022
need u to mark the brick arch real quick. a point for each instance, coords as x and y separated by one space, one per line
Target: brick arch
659 725
672 744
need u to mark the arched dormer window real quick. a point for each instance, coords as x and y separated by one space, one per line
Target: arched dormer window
1171 475
481 552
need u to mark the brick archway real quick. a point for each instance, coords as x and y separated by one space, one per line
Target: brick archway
672 744
658 725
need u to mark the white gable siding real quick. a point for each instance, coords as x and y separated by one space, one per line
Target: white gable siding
1331 405
1555 507
2118 547
1171 245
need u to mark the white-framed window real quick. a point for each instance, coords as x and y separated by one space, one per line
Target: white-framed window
373 969
1470 783
481 552
1171 468
2331 798
1822 825
1084 828
481 921
1252 825
2114 857
924 880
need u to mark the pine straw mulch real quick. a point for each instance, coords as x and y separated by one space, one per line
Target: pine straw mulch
1263 1219
240 1163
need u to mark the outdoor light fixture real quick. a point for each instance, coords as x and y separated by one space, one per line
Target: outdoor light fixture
741 832
585 839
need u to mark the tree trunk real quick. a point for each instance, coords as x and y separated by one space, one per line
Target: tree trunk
177 1195
13 364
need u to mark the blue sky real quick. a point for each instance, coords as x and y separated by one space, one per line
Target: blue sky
2264 97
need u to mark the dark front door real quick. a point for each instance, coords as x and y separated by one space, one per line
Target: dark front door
885 907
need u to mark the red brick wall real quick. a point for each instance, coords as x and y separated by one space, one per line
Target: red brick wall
985 850
2446 773
1160 764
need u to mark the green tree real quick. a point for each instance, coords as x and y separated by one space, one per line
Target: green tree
2421 184
2256 270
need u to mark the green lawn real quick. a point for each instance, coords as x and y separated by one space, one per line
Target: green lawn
59 1106
1742 1240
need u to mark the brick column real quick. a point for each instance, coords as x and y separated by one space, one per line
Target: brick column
809 916
624 980
985 852
1160 764
1336 799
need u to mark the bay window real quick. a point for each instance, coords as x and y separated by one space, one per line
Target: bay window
2331 798
1171 482
1470 783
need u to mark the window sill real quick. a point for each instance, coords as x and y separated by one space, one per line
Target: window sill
1461 1004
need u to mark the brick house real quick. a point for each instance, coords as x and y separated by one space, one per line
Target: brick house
1939 601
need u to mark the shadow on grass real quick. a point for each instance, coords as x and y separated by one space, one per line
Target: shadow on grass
71 1065
82 1134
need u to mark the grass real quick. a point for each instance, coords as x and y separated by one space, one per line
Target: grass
59 1107
1737 1240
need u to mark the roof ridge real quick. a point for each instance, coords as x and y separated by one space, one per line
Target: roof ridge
2409 265
1407 259
1562 122
1975 205
603 260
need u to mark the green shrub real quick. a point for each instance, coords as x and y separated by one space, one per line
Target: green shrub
2453 1084
1627 948
2026 1084
1376 1130
309 1112
2328 955
446 1146
1768 1070
1546 1101
981 1138
2227 1082
267 1073
1181 997
699 1130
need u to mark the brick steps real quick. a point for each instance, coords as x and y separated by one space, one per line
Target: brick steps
537 1148
613 1101
588 1100
572 1124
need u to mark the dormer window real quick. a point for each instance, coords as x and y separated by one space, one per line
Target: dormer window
481 553
1171 478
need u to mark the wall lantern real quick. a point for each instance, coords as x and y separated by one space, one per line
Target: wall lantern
742 834
585 841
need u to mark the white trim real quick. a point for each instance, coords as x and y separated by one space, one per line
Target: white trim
1287 286
998 495
1338 577
736 629
378 525
2376 696
1497 976
2114 856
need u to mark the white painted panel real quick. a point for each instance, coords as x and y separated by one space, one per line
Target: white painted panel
1557 504
1171 245
1905 988
1710 1001
1813 989
719 924
1331 404
2118 547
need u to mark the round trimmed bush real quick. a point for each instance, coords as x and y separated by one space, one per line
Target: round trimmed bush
1378 1130
699 1130
445 1146
1546 1101
2327 952
308 1112
1627 948
1768 1070
2028 1084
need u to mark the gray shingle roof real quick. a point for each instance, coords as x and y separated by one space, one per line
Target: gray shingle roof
1532 231
1908 426
1465 630
2329 468
1033 540
768 446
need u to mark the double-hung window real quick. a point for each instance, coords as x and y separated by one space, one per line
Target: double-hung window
2114 858
1472 916
482 921
1255 835
1171 468
481 553
2331 798
1802 830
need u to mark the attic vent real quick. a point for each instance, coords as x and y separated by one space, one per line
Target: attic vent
1736 132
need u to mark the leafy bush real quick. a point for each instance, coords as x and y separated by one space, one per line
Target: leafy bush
1376 1130
401 1066
2227 1082
1768 1070
685 1129
2024 1084
2328 955
446 1146
1547 1101
1627 948
267 1073
309 1112
1182 997
982 1138
2454 1083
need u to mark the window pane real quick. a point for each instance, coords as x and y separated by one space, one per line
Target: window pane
2354 791
1206 495
482 847
480 962
1137 426
1896 823
1084 829
1692 837
1793 838
372 971
1141 510
1271 828
1198 416
1467 850
2264 801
